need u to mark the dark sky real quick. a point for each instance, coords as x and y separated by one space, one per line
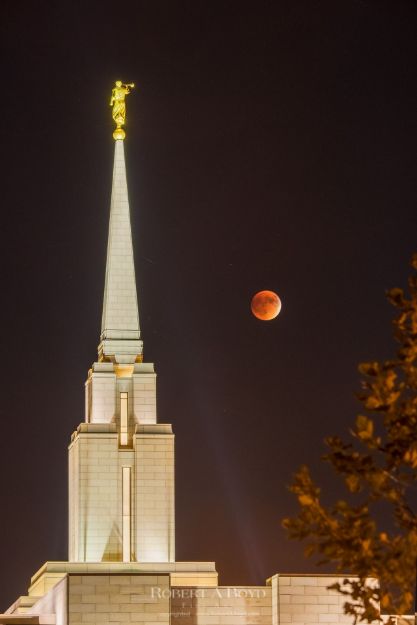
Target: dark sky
270 145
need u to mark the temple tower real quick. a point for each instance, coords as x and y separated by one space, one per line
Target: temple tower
121 461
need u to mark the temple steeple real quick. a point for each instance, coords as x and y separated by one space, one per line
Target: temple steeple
121 461
120 333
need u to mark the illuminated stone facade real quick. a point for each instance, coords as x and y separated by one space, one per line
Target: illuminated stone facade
171 594
121 566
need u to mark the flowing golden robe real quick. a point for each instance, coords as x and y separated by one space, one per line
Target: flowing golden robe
117 100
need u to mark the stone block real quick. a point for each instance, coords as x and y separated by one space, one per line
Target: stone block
303 599
304 581
81 608
316 609
329 618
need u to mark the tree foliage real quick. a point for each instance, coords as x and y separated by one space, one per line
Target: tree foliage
372 532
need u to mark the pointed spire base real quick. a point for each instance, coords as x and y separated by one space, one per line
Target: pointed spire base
120 351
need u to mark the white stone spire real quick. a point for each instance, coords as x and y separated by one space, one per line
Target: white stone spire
121 461
120 332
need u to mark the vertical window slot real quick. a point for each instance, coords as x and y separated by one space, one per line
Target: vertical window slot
126 529
123 418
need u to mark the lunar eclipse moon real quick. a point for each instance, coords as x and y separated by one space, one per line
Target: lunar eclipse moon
265 305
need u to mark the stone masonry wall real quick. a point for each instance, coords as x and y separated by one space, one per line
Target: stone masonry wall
303 599
118 599
223 605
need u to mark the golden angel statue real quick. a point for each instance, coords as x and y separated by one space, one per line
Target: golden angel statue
117 101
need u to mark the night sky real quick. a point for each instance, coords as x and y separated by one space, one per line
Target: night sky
270 145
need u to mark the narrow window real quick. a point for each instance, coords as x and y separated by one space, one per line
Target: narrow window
126 489
123 418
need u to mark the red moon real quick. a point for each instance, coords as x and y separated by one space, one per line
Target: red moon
265 305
